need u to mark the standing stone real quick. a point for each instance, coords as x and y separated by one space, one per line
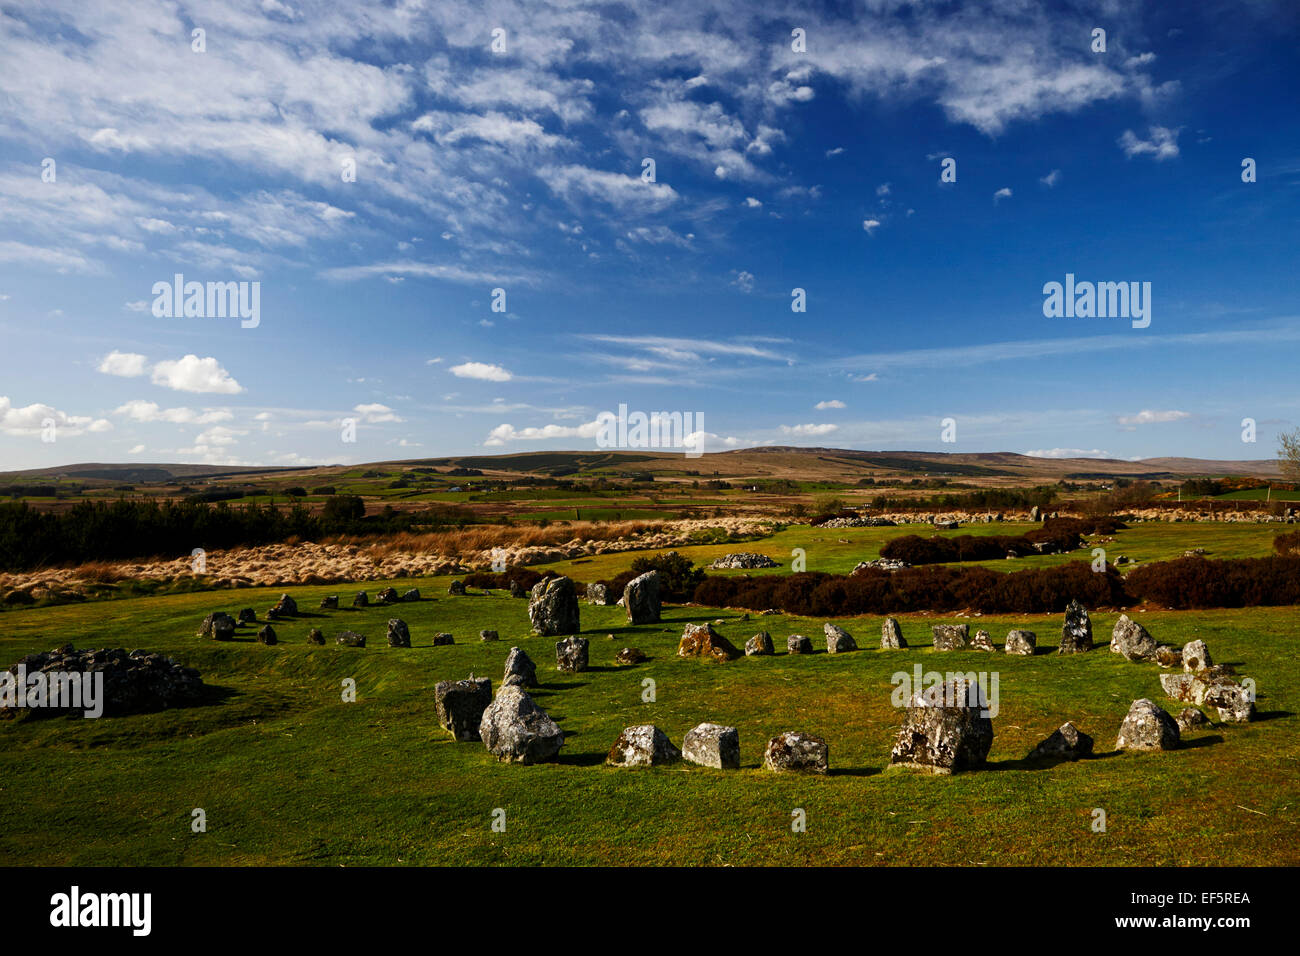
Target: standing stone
314 636
330 603
838 640
1235 703
891 635
488 636
641 599
598 594
350 639
759 645
944 730
642 746
1021 642
286 605
794 752
412 595
520 669
1132 640
712 745
1076 633
798 644
1167 655
950 637
553 607
361 600
387 596
219 626
442 639
267 634
982 641
571 655
1034 513
517 589
399 635
701 640
1189 719
1066 743
1147 727
516 730
247 616
1188 688
461 704
456 587
1196 657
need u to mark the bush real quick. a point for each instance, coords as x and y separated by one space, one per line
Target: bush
323 490
1197 583
343 509
1288 543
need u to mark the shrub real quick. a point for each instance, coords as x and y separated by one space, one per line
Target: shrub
323 490
1288 543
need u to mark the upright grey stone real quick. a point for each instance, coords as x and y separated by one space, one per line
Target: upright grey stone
1196 657
642 746
1131 639
1147 727
838 640
399 635
516 730
553 607
571 655
1076 632
712 745
944 730
950 637
759 645
641 599
891 635
520 669
461 704
1021 642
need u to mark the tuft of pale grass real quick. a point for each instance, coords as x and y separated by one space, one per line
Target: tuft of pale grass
487 537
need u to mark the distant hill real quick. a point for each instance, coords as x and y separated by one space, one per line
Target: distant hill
773 461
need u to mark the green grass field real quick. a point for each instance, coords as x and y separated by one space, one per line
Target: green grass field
288 773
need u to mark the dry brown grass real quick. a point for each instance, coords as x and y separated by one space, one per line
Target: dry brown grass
487 537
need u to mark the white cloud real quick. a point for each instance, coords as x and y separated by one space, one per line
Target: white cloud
374 413
193 374
744 281
135 449
35 419
481 371
752 203
870 226
142 411
1151 417
1162 143
808 430
124 364
1003 193
832 403
1069 453
1051 179
505 432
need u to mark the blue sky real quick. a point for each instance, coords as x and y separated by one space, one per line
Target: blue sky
521 170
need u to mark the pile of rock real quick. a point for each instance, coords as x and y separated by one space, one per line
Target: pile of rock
743 561
884 564
860 521
138 682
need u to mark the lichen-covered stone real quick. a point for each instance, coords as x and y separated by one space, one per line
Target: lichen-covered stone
350 639
553 607
412 595
891 635
1076 632
641 599
1189 719
712 745
1235 702
628 656
982 641
950 637
944 730
362 599
701 640
838 640
399 635
642 746
1167 655
1196 657
219 626
1131 639
266 635
443 639
1147 727
387 596
456 587
314 636
798 644
795 752
759 645
516 730
520 669
488 635
460 705
330 603
1021 642
571 655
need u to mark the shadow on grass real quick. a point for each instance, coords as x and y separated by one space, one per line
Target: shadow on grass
1045 763
851 771
1271 715
578 760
